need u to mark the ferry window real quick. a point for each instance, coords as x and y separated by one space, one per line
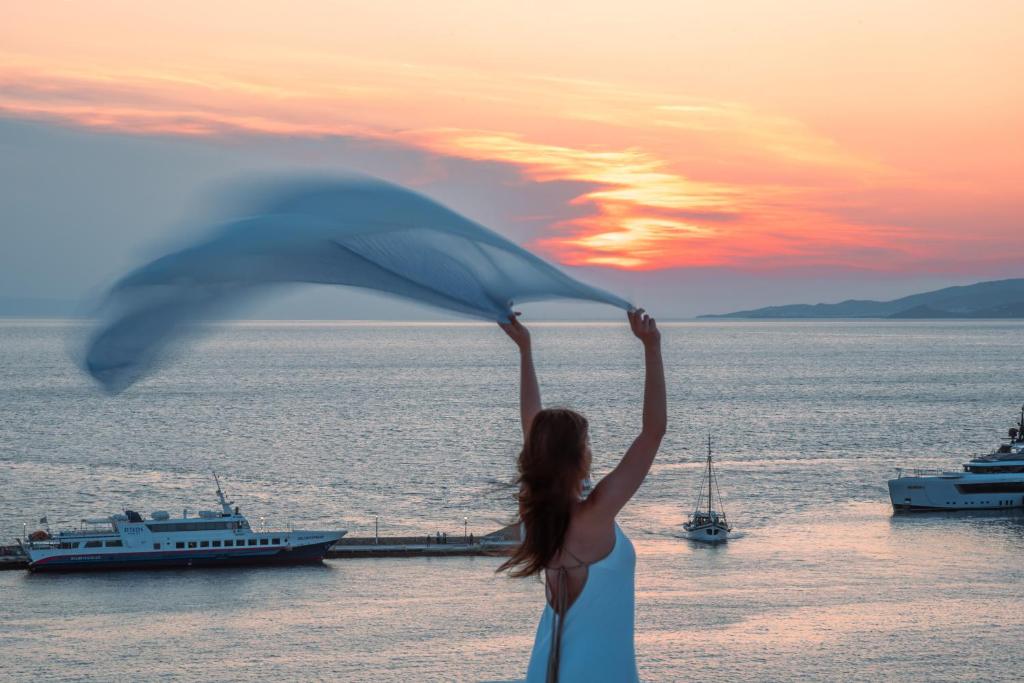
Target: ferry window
94 544
252 541
216 544
228 544
204 544
156 546
113 544
264 541
277 541
191 544
157 527
179 544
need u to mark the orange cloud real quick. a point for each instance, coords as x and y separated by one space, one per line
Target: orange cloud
647 216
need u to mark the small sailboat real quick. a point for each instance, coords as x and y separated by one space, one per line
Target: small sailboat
708 524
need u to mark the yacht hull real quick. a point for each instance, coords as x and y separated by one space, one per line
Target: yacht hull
709 533
956 492
307 554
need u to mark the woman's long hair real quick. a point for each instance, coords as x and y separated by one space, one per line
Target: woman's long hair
554 460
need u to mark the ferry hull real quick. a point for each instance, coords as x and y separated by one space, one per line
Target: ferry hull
922 494
308 554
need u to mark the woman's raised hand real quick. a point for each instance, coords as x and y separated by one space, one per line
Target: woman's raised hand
516 331
644 327
529 390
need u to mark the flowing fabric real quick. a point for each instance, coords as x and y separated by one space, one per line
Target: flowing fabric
356 232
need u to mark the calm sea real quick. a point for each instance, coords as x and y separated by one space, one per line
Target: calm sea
328 425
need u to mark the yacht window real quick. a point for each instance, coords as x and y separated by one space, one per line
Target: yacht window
114 544
191 544
179 544
216 544
228 544
277 541
252 541
264 541
204 544
992 487
156 546
94 544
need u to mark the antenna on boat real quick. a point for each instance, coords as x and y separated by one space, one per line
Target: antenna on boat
225 505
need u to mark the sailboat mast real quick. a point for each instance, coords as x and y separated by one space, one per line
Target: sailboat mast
709 475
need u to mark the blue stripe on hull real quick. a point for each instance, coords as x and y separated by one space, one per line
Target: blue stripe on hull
904 507
157 560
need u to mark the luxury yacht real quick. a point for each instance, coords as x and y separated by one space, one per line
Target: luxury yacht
989 481
211 538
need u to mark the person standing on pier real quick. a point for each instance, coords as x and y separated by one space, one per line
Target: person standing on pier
586 629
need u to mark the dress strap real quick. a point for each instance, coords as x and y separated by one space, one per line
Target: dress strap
580 563
561 606
561 598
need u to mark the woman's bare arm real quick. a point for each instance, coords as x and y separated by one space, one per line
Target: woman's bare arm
529 390
615 490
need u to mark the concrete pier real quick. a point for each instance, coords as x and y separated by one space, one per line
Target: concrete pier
11 557
411 546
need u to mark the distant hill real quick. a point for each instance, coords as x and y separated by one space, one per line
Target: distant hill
995 299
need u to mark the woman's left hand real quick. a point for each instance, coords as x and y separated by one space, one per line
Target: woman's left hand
516 331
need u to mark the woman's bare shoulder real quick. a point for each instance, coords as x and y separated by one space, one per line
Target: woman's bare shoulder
591 536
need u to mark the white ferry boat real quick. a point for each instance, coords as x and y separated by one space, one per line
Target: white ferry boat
209 539
989 481
707 524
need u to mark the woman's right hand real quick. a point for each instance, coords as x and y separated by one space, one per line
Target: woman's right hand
644 327
516 331
615 490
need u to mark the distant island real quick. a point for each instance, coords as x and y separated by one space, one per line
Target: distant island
995 299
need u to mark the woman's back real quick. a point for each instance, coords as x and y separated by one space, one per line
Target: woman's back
597 629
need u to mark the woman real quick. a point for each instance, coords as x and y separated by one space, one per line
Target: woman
586 630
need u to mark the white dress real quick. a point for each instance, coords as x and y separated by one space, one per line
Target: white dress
597 633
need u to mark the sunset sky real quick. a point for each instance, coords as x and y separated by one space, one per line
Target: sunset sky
865 139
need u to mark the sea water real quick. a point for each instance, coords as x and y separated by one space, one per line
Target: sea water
415 426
